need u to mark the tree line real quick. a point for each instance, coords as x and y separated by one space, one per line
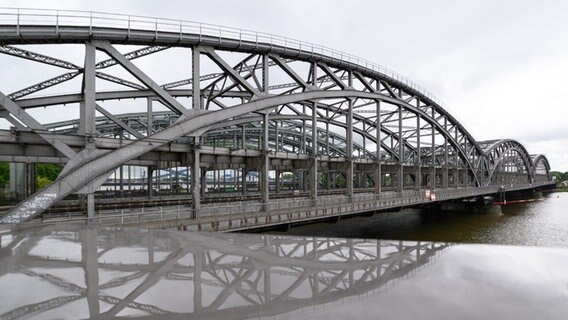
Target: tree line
559 176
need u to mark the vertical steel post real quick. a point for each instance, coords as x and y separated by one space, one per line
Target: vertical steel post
446 156
433 156
349 142
400 152
378 173
87 116
149 182
195 82
150 116
88 102
456 160
314 155
265 73
418 151
265 163
243 137
277 181
196 179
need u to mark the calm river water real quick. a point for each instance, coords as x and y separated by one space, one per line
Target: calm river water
543 223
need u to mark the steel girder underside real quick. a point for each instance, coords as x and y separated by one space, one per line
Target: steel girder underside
279 92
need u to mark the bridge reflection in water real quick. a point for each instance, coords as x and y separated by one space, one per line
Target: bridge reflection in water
108 273
49 272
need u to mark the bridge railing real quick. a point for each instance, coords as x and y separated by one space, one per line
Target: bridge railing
58 18
291 208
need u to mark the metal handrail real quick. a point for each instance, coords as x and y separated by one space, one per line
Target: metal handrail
57 18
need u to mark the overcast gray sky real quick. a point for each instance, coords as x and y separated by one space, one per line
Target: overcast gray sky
501 67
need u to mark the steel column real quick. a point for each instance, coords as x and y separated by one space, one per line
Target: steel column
433 154
418 154
349 151
265 163
150 119
87 106
196 180
314 155
378 124
446 157
195 80
400 152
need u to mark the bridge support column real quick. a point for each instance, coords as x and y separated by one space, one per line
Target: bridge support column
196 184
327 182
87 115
418 170
446 178
150 116
195 81
433 155
265 167
349 150
244 181
203 185
90 205
400 175
314 165
149 185
277 181
22 180
88 103
377 173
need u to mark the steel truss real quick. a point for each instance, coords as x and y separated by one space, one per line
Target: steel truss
270 100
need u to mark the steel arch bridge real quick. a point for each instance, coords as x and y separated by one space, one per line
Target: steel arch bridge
250 102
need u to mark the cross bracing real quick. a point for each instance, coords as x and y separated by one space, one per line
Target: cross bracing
245 91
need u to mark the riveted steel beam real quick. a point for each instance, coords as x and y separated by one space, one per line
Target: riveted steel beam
44 85
126 83
131 56
29 55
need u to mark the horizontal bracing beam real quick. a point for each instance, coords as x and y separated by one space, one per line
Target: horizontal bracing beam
25 54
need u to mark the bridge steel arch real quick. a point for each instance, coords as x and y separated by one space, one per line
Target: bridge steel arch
354 105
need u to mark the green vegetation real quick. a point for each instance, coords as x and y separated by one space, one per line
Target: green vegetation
4 173
46 174
48 171
560 178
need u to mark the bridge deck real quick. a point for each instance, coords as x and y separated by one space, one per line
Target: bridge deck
247 215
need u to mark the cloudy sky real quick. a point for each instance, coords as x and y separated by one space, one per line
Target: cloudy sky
501 67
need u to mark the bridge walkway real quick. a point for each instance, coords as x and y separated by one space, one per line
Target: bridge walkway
248 215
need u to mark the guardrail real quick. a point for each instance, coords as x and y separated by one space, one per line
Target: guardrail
275 212
58 18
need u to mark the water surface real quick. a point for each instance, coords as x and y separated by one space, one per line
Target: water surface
543 222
